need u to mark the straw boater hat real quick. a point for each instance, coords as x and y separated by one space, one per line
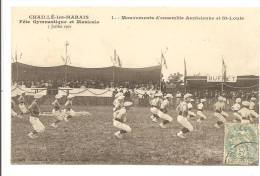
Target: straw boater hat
178 96
238 100
220 98
187 95
202 100
58 96
253 99
128 103
245 103
168 96
159 94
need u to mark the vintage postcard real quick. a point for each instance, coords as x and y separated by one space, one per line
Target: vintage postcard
135 86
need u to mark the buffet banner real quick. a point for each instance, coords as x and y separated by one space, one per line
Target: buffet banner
221 79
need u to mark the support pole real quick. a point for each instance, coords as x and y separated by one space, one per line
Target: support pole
222 87
114 75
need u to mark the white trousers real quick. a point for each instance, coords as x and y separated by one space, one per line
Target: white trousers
190 113
253 113
36 124
184 122
13 113
200 114
238 116
122 126
23 108
154 110
224 114
164 116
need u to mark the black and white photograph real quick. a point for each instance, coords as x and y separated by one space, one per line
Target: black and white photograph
135 86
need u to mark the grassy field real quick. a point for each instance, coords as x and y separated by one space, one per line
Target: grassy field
90 140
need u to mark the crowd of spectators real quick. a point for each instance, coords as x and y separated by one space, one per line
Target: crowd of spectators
87 84
131 90
245 94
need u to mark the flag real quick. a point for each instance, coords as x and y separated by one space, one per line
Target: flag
112 60
185 69
163 61
16 58
185 75
63 59
224 70
69 60
115 58
119 62
116 61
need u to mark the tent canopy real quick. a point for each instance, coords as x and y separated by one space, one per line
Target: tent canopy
35 73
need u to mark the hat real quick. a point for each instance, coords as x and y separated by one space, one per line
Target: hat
168 96
37 96
58 96
158 94
238 100
178 95
253 99
118 95
187 96
202 100
245 103
128 103
220 98
70 96
191 99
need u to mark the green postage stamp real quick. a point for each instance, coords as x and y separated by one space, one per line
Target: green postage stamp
241 144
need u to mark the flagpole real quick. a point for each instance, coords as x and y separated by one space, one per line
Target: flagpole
114 66
114 74
17 73
223 77
161 74
66 61
185 72
163 62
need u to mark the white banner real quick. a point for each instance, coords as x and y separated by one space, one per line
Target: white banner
221 79
28 91
86 92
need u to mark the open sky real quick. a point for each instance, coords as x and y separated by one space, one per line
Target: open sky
139 42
